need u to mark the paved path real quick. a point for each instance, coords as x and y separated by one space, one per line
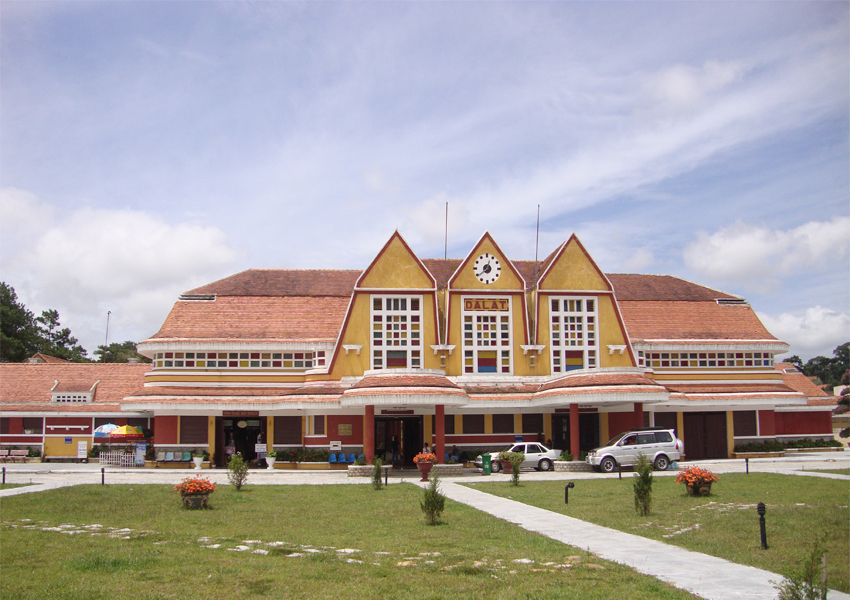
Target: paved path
706 576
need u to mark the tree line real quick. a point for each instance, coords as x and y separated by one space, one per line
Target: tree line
829 371
22 335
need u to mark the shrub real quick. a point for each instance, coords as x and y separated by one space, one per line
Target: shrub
808 584
237 471
377 473
433 502
516 459
566 455
33 452
643 485
360 461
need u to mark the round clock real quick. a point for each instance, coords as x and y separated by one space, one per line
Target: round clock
487 268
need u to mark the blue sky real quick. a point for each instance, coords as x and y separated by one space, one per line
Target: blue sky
150 147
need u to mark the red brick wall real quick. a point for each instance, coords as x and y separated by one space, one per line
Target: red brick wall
618 422
804 423
767 422
166 429
75 421
356 422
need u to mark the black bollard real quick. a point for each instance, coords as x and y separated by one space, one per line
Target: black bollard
4 475
567 492
103 476
747 461
386 476
620 470
761 510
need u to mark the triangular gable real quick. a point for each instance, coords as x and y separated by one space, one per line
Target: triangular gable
396 267
572 269
465 278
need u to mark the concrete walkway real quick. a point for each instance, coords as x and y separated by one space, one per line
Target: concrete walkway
706 576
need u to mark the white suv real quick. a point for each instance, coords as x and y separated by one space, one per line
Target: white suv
659 445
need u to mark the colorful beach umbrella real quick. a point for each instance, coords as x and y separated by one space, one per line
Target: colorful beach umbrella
105 430
126 431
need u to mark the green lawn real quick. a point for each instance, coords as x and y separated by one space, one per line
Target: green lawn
724 524
137 542
836 471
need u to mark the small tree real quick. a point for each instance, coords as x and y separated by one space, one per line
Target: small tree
643 485
377 472
237 471
810 583
516 459
433 502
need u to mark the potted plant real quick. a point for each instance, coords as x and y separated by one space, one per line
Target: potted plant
425 461
270 458
197 458
698 481
511 462
150 457
195 491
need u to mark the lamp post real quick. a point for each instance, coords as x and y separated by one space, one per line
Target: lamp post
761 509
567 492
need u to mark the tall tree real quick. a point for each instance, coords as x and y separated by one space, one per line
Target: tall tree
23 335
19 337
119 353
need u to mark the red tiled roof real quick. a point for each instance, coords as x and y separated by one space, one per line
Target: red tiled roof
736 388
39 357
25 384
669 320
599 380
659 288
404 380
798 381
262 318
283 282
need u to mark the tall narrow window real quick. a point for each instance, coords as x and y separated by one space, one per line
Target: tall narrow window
396 332
574 330
487 335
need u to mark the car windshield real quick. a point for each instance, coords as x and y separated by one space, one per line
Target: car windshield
616 439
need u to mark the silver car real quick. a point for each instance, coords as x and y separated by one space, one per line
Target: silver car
537 456
659 445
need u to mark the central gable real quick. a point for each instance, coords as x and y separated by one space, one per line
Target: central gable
485 259
573 269
396 267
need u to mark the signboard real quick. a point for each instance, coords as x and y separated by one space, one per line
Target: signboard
240 413
345 429
141 447
260 449
82 449
497 304
69 440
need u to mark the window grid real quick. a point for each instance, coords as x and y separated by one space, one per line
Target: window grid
396 332
71 397
487 341
239 360
573 331
708 359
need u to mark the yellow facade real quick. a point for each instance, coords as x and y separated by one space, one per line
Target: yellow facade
396 268
573 269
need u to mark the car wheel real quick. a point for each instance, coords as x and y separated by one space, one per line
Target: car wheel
661 463
495 466
545 465
608 465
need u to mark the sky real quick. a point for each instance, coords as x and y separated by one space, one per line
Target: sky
147 148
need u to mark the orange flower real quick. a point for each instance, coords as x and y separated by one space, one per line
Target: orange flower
425 457
696 476
195 485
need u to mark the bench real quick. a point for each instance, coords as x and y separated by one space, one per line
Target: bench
18 455
4 454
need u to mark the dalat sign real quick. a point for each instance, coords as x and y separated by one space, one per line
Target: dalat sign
486 304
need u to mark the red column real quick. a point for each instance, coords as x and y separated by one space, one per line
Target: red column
369 434
574 448
638 414
440 427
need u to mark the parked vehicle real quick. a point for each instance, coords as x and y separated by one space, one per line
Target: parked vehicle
659 445
537 456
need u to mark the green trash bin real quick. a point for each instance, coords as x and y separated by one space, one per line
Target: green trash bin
485 463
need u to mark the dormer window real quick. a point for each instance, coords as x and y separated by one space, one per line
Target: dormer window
67 397
72 393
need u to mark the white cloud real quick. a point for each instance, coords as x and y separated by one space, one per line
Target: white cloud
758 257
816 333
427 220
683 86
94 261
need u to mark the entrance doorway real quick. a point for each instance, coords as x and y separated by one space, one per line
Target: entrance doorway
407 430
588 431
238 435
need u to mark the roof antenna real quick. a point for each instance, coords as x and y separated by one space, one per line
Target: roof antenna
536 245
106 341
446 249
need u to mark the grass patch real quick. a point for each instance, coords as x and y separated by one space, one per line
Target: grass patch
348 541
724 524
8 486
836 471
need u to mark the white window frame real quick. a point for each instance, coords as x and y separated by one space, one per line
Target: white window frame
475 348
410 346
557 350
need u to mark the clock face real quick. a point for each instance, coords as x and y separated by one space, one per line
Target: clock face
487 268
